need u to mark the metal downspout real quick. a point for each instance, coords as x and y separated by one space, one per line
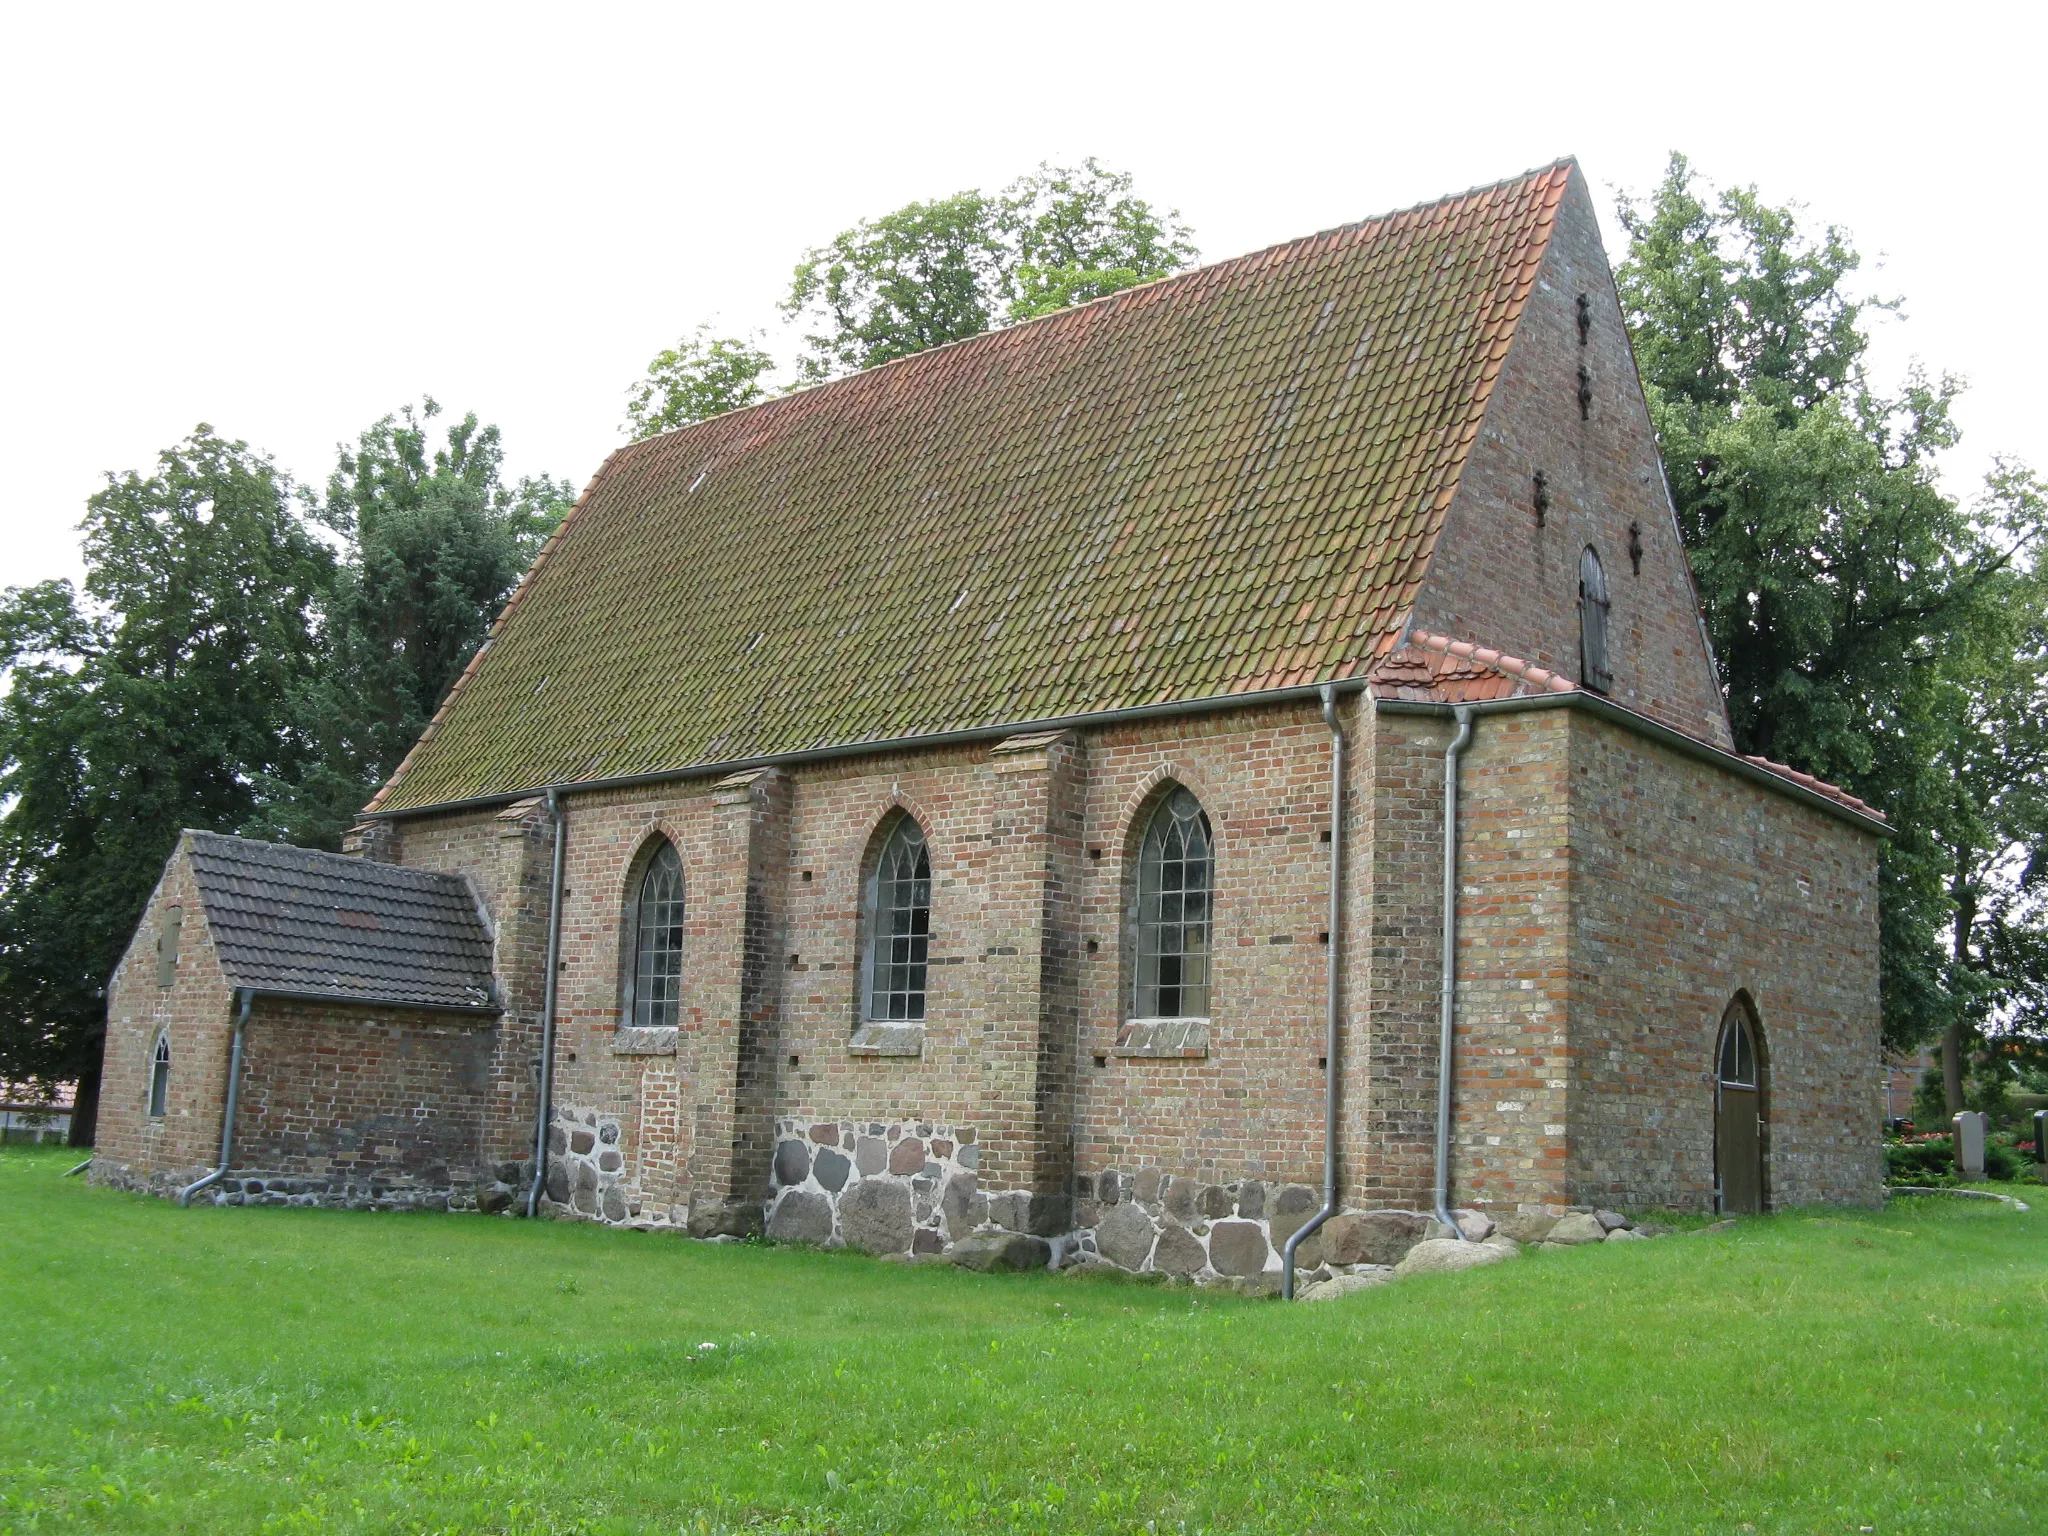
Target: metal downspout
1330 1000
1448 1016
546 1109
227 1119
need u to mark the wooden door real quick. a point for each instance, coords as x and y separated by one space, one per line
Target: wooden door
1738 1152
1738 1117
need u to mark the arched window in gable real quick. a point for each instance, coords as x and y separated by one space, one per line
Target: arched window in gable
1176 884
1594 670
899 926
657 977
160 1077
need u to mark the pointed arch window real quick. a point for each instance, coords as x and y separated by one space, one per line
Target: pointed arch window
1738 1052
899 924
1176 876
1594 670
658 942
160 1077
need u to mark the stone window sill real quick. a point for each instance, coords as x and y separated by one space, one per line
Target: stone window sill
887 1040
1181 1039
639 1040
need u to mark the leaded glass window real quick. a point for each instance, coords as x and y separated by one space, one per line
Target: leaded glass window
899 925
1594 670
1175 886
658 947
160 1077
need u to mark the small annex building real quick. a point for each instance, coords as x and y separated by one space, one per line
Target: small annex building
955 798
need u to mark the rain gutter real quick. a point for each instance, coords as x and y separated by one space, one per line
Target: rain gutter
1305 694
1447 1014
546 1108
1331 997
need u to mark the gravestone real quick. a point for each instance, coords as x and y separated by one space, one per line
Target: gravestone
2041 1141
1969 1143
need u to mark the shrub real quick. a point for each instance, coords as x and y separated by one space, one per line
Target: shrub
1932 1159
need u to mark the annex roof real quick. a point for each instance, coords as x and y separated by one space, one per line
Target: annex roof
293 921
1437 669
1216 484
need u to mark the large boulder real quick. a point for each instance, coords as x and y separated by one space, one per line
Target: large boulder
1340 1286
1579 1227
792 1163
1125 1236
1627 1235
957 1200
1377 1237
1527 1226
1002 1250
1237 1248
802 1216
1011 1210
832 1169
1179 1251
1476 1225
1444 1255
875 1216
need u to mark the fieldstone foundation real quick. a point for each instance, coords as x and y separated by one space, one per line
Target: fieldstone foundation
884 1187
456 1190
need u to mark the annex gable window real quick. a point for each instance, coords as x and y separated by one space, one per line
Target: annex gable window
1594 670
658 942
159 1077
167 946
1175 885
899 926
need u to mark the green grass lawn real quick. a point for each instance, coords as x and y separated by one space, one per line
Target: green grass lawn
285 1370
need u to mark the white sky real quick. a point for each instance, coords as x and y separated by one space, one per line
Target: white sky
287 220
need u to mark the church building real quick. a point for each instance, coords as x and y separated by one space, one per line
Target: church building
1074 782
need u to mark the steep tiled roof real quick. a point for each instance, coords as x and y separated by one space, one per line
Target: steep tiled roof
1223 482
291 920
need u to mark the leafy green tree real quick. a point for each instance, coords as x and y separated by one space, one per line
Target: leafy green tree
156 699
919 277
944 270
1080 233
1989 819
434 543
1860 617
702 375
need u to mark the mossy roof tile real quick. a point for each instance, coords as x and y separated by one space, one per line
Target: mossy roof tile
1212 484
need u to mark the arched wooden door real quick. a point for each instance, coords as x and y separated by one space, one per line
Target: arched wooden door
1738 1116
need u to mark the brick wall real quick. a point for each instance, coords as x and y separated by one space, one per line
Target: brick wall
366 1099
1499 578
1689 883
508 856
1614 894
1033 853
196 1014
